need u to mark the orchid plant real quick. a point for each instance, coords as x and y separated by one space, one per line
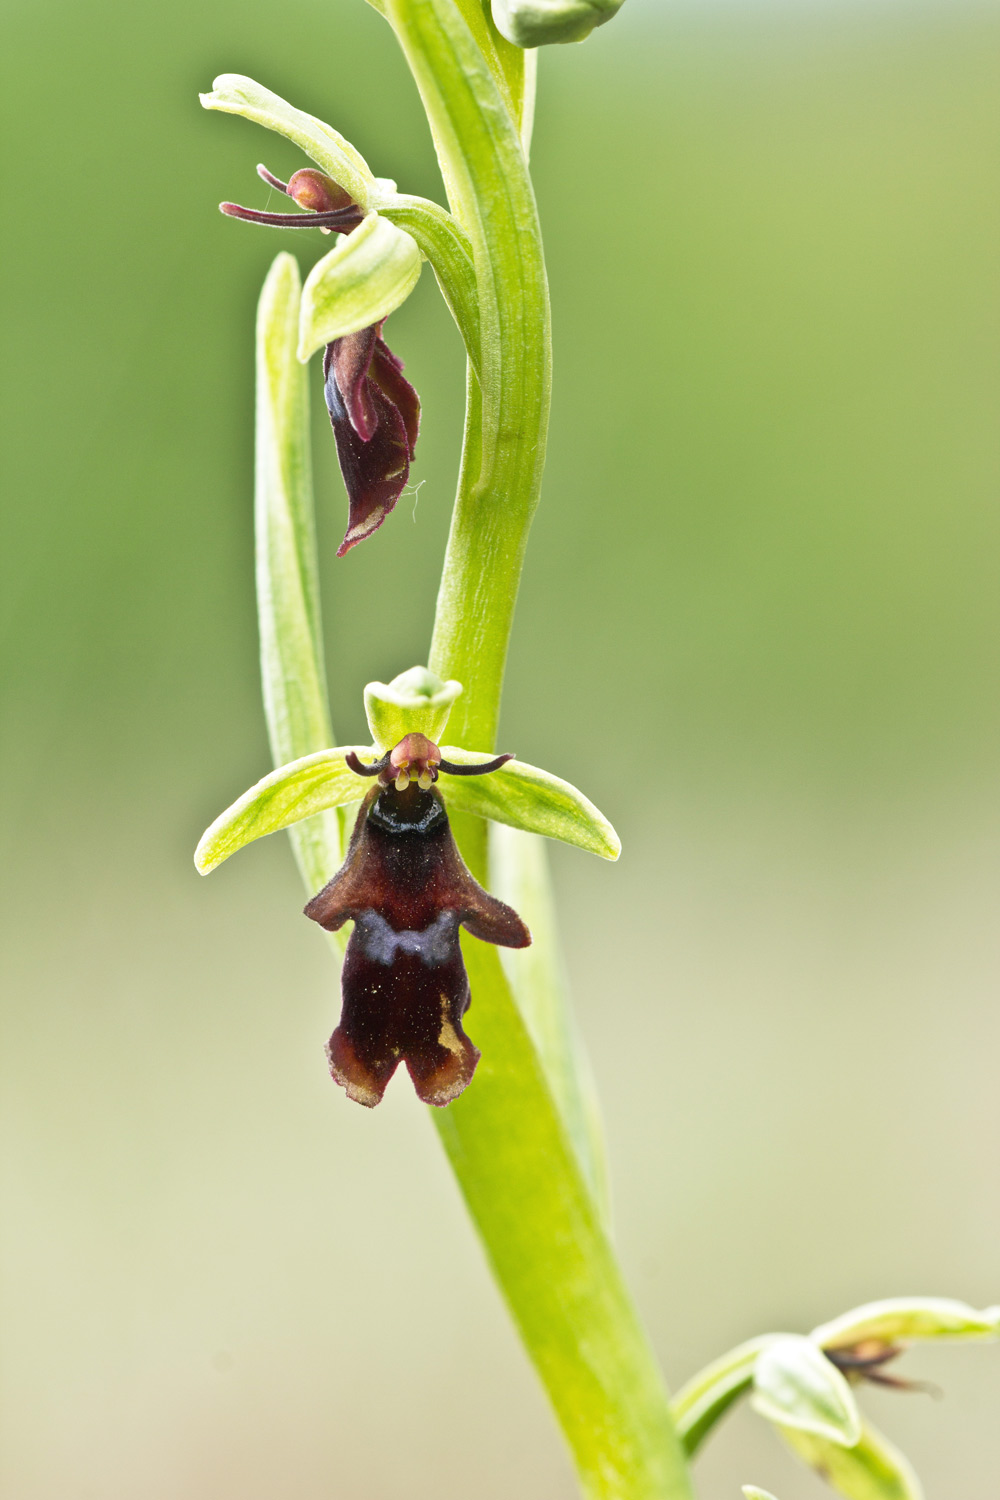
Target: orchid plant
413 841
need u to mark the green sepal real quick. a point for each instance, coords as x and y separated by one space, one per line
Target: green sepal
525 797
539 23
872 1470
795 1385
903 1320
234 94
754 1492
708 1395
361 281
292 792
415 702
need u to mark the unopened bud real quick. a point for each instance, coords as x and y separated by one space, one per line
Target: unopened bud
537 23
316 192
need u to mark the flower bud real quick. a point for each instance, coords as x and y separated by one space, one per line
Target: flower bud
316 192
538 23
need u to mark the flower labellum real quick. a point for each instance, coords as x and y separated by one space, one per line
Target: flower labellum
374 410
407 890
375 415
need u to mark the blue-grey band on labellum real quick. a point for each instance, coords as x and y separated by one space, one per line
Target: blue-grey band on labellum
404 884
539 23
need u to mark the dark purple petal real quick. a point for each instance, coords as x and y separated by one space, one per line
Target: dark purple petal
407 1008
375 414
360 769
481 768
374 472
343 222
387 371
345 363
270 179
405 989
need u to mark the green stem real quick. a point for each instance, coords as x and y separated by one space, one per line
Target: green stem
446 246
508 1143
490 194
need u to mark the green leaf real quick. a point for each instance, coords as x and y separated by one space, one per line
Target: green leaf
708 1395
306 786
519 875
359 282
234 94
795 1385
872 1470
291 644
539 23
902 1320
525 797
754 1492
415 702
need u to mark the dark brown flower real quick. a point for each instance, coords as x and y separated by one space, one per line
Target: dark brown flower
405 989
374 410
375 415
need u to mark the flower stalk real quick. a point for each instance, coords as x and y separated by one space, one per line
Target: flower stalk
508 1143
525 1163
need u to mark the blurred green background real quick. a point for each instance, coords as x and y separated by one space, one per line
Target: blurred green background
758 625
